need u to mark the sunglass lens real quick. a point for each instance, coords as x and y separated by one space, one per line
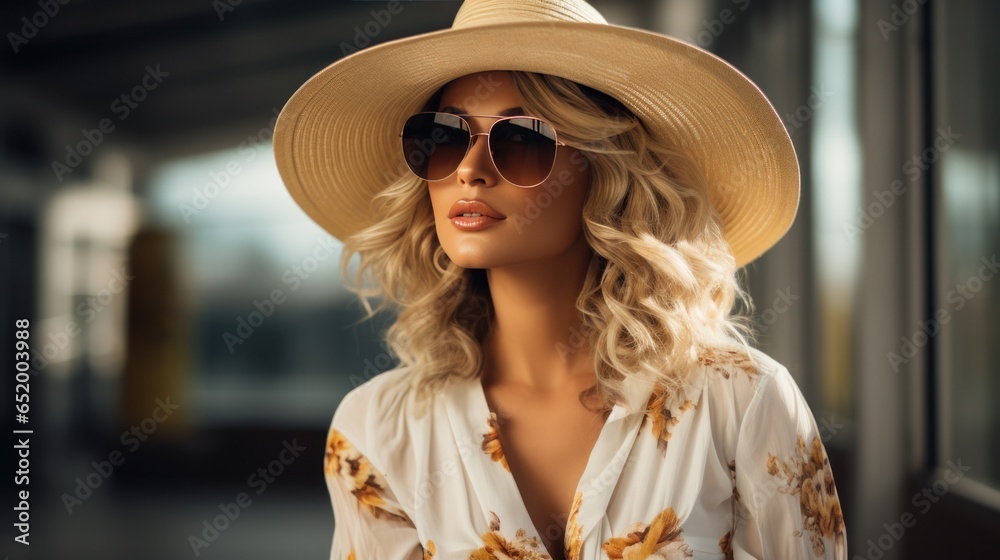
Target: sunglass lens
524 150
434 144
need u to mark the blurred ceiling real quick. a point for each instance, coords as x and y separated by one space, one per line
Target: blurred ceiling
231 64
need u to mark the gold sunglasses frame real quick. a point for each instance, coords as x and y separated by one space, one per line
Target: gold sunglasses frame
468 148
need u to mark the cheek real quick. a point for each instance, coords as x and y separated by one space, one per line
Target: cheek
567 188
555 208
438 205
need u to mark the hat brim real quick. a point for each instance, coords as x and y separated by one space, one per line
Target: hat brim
336 140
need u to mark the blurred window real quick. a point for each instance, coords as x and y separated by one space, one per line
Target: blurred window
965 143
836 195
274 335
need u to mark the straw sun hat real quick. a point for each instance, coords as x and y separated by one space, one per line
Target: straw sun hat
336 141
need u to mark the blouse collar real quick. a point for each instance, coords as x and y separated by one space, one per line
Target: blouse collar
497 492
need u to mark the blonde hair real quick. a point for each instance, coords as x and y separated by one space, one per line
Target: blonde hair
661 285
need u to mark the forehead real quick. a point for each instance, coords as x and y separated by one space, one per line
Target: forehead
480 92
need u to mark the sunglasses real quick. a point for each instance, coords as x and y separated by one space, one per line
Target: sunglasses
523 149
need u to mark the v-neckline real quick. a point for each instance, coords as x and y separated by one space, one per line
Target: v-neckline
516 490
470 414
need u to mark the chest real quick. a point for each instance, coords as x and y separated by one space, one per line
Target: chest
547 444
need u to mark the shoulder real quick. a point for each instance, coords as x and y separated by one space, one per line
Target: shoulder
359 456
377 416
751 362
379 395
742 383
738 371
741 369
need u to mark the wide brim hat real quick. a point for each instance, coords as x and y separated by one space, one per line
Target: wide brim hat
336 141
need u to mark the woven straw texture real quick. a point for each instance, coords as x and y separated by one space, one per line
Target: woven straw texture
336 140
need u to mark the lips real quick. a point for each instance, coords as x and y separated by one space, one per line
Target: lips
473 207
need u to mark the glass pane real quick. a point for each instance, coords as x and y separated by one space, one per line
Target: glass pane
272 327
967 305
836 196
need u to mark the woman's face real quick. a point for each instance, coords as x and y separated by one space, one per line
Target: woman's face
539 223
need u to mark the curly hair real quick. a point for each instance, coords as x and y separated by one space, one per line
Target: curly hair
662 283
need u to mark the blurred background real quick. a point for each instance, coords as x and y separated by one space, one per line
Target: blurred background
188 322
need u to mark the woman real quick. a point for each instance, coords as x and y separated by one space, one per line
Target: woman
563 258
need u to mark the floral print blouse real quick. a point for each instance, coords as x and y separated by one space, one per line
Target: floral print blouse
733 468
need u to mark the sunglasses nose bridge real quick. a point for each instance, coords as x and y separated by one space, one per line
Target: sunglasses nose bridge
473 144
472 141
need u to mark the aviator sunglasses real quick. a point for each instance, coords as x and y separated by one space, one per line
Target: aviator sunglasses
523 148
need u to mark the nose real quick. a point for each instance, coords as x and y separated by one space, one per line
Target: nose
477 167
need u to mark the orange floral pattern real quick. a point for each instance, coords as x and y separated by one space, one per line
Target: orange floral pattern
732 477
663 412
660 540
807 474
574 532
666 406
430 549
491 442
716 358
785 496
726 544
497 547
351 468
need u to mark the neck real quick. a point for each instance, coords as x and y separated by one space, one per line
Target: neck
536 338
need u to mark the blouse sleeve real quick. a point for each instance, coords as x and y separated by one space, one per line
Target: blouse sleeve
369 522
787 499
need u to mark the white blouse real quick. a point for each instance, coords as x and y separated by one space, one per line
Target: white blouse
734 469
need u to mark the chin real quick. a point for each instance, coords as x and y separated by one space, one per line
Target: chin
472 261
